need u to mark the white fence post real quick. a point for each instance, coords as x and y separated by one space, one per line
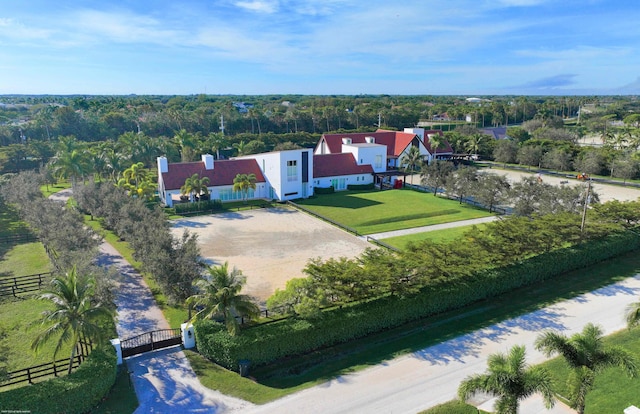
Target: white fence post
188 336
116 345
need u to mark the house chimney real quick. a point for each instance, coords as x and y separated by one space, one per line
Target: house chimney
163 165
207 159
346 141
370 140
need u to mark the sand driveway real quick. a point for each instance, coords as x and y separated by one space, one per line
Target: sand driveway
270 246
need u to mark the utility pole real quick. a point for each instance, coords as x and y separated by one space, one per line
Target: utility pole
222 124
586 203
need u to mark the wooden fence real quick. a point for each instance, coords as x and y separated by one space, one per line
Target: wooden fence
50 369
18 238
13 286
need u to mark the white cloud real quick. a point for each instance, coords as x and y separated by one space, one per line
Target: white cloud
259 6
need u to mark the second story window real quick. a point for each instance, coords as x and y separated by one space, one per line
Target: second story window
292 170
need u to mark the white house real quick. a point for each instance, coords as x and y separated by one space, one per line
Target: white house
289 174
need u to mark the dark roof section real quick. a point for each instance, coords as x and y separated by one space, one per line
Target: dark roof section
330 165
223 173
444 148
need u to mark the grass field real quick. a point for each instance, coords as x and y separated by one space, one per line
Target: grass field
379 211
445 235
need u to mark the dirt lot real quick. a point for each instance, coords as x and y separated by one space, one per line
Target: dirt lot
270 246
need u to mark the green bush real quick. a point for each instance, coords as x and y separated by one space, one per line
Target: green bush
266 343
324 190
358 187
204 205
75 393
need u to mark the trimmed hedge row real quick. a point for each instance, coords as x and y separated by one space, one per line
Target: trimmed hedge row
76 393
358 187
323 190
269 342
198 206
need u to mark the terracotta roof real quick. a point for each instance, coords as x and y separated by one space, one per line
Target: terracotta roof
395 141
329 165
223 173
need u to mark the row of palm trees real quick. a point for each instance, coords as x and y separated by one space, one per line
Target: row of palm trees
511 380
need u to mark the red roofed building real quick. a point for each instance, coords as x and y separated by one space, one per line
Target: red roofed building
340 170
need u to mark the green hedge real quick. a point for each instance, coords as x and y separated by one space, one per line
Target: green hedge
358 187
76 393
266 343
324 190
205 205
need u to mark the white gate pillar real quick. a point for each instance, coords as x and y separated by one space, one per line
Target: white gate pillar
118 347
188 335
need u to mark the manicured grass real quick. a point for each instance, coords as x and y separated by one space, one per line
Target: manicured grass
379 211
613 390
437 236
10 222
230 383
25 259
16 320
317 367
122 397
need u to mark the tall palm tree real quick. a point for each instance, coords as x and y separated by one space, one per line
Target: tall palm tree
587 355
244 182
220 297
75 316
633 315
511 380
411 158
71 165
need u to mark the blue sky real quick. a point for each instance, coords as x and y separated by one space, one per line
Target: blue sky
460 47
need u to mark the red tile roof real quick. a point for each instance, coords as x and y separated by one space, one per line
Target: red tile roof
395 141
329 165
223 173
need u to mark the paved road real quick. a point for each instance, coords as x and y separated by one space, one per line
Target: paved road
431 376
433 227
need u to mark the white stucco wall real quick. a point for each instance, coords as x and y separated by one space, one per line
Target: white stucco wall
365 154
274 166
357 179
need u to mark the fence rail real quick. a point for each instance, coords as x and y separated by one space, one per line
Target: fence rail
15 238
13 286
49 369
321 217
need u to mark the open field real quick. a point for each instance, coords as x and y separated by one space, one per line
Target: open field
381 211
270 246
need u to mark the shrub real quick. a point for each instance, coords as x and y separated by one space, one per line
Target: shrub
204 205
324 190
266 343
358 187
78 392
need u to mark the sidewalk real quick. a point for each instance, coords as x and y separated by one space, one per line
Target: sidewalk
424 229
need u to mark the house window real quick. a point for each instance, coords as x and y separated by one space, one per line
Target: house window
292 170
378 161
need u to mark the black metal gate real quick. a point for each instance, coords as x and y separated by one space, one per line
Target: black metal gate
149 341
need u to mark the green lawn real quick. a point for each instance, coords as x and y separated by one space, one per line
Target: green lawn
445 235
47 190
452 407
379 211
613 390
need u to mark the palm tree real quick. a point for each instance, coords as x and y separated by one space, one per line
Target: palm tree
75 316
220 296
195 185
186 142
412 158
244 182
511 380
71 165
633 315
587 356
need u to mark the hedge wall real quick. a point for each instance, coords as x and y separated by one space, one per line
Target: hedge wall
269 342
76 393
358 187
323 190
205 205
